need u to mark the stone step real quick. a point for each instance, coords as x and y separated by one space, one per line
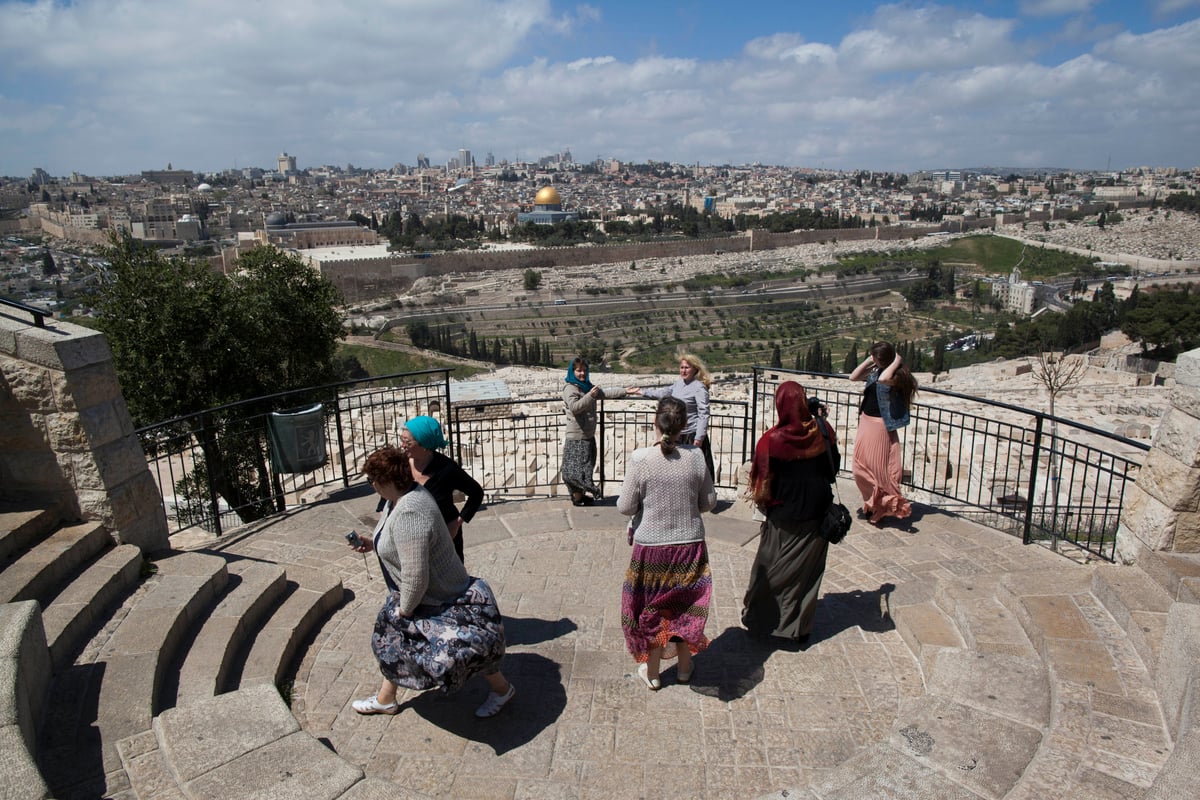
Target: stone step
24 678
1177 573
313 597
245 743
1138 603
114 695
73 614
40 571
256 591
21 528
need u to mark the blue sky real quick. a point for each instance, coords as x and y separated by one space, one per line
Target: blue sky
108 87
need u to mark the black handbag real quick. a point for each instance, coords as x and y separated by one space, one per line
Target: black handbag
837 521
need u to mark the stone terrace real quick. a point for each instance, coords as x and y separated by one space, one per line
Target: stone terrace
948 660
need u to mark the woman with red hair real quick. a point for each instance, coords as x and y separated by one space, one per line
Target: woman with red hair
789 482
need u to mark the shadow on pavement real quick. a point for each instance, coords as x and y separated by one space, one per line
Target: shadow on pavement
731 666
540 700
531 630
863 609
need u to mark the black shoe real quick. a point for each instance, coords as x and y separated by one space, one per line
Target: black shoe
862 514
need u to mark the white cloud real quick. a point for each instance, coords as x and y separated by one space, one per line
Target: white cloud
210 83
1055 8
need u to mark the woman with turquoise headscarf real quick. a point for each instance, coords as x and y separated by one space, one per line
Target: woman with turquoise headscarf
579 441
421 439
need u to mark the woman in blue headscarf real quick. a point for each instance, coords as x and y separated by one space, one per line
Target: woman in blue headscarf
579 443
421 438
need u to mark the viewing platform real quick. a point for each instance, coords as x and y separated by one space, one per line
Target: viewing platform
948 660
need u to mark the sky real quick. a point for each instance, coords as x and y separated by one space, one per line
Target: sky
112 87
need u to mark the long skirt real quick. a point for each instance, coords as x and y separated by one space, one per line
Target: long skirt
785 581
878 468
439 648
578 465
665 597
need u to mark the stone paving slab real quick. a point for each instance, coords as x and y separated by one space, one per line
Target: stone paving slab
756 718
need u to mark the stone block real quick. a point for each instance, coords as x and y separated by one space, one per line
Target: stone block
1179 436
63 346
30 386
1178 776
86 387
1176 662
1186 399
1148 519
1187 369
21 432
19 774
107 465
65 433
244 720
105 423
294 766
1187 533
1176 485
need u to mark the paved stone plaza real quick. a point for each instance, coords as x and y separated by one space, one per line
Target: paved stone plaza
756 720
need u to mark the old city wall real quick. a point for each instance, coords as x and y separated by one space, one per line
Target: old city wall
367 278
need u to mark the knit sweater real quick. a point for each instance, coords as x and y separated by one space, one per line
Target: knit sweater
417 553
668 493
694 395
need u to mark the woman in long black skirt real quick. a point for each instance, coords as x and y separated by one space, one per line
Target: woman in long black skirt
790 478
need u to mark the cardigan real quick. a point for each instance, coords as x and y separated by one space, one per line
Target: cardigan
417 555
666 494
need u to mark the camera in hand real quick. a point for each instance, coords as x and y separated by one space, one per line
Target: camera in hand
353 538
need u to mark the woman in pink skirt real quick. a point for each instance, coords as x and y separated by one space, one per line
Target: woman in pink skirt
884 409
668 586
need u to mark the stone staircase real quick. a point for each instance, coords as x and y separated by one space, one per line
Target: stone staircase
1081 682
96 642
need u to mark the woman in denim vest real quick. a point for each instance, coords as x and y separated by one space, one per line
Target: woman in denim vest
878 463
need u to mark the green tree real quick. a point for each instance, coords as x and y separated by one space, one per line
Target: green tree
48 266
851 360
186 339
533 279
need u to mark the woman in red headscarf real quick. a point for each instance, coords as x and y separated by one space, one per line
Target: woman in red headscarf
789 481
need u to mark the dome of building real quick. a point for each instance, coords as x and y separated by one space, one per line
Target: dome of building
547 196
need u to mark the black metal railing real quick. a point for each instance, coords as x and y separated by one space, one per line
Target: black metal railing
39 315
1009 467
1013 468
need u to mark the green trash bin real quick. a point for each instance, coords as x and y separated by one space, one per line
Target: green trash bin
298 438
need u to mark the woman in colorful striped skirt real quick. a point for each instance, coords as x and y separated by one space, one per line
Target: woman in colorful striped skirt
668 586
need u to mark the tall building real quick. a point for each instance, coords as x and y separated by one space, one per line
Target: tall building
464 159
422 161
287 164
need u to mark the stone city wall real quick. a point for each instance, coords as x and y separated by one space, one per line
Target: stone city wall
66 437
363 279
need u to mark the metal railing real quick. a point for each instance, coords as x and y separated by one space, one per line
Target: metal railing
1005 466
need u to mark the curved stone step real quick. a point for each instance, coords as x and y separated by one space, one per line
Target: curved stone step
1138 603
24 677
21 528
113 694
72 615
313 597
206 669
39 572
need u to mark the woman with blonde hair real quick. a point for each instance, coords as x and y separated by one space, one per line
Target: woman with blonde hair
878 463
668 586
692 388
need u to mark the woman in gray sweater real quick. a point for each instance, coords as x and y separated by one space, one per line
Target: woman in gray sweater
668 586
438 625
692 389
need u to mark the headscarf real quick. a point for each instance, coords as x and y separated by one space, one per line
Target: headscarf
795 436
427 432
586 383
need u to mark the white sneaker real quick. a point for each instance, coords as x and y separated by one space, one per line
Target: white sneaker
372 706
494 702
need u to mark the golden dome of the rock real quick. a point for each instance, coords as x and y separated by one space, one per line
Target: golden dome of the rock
547 196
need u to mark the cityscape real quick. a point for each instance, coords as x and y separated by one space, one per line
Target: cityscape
248 249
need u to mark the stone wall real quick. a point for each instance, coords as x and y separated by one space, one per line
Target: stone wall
367 278
66 437
1162 510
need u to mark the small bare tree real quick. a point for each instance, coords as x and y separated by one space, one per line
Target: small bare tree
1057 373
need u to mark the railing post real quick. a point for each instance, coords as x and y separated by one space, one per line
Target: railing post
753 412
210 463
1033 471
600 446
337 421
